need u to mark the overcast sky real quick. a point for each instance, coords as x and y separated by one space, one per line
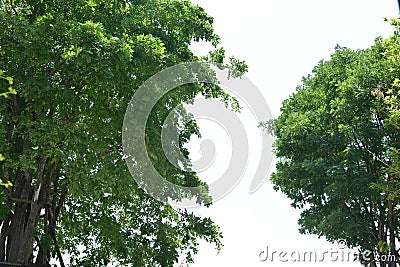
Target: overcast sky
281 41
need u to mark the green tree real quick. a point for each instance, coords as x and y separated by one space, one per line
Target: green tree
337 140
75 67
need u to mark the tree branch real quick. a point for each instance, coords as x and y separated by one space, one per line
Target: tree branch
369 151
52 231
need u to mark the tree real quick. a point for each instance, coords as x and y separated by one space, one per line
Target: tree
338 140
75 67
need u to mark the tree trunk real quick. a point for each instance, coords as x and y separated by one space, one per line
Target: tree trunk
17 237
17 242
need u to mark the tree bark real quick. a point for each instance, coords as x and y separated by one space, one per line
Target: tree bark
18 222
26 247
5 230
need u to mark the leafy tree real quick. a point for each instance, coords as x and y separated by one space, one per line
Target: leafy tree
338 141
75 67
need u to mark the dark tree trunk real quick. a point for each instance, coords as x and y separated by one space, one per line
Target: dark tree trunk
17 241
33 191
17 230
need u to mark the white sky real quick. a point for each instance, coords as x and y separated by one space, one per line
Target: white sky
281 41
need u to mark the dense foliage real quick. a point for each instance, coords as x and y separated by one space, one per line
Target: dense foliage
338 141
75 66
6 94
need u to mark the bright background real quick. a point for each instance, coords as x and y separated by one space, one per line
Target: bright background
281 41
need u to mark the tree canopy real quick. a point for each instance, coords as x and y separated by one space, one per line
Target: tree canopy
75 66
338 142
